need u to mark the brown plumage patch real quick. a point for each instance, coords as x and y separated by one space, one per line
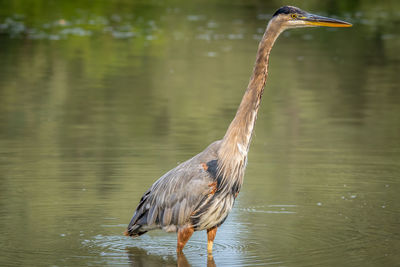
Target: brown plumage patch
205 167
236 194
214 188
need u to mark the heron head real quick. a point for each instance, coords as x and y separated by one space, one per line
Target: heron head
293 17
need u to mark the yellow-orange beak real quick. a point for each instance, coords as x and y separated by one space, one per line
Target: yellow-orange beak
314 20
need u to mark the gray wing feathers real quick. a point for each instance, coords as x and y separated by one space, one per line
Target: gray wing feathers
174 197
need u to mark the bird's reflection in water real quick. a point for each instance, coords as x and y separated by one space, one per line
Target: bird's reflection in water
139 257
210 261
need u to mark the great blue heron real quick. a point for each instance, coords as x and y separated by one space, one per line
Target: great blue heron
199 193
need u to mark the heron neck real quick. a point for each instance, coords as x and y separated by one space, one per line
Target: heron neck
238 136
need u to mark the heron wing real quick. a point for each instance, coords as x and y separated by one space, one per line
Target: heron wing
172 199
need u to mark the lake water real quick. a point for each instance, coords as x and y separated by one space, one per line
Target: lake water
98 100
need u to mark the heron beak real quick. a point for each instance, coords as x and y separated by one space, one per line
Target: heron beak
315 20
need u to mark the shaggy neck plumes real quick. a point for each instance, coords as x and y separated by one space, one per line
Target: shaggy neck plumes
235 144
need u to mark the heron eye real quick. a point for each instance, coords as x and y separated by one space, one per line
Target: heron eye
294 16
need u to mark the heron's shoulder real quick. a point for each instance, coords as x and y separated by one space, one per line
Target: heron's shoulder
210 153
192 169
214 145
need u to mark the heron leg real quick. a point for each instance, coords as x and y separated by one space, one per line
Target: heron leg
211 233
183 237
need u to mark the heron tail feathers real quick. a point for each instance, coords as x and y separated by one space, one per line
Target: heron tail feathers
135 231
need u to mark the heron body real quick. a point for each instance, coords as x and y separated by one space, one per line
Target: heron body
199 193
